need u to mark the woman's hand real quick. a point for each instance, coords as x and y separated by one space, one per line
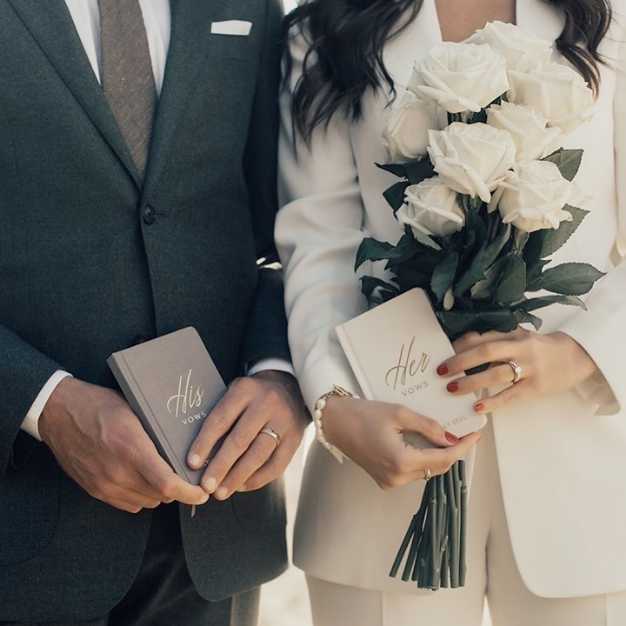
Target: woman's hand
550 363
372 435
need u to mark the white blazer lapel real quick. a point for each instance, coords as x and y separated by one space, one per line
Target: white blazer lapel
620 151
540 19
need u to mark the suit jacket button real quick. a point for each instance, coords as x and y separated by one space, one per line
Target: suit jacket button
149 216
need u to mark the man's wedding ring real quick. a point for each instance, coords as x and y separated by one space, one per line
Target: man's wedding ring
518 371
427 474
270 432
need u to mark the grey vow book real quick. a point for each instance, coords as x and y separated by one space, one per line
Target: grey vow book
172 384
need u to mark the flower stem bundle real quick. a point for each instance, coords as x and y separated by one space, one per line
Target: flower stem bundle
433 548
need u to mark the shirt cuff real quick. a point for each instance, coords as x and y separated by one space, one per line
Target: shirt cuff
31 422
279 365
597 391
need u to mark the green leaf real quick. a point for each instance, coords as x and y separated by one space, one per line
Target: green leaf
370 285
533 304
512 283
568 162
476 223
421 259
524 317
372 250
534 271
413 172
425 240
478 118
456 323
570 279
544 243
395 195
444 274
474 274
409 276
418 171
483 290
397 169
497 245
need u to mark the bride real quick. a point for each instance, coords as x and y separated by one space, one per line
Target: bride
547 537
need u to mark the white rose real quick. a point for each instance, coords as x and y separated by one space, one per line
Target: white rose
529 129
431 208
557 91
534 196
460 77
515 45
472 159
406 135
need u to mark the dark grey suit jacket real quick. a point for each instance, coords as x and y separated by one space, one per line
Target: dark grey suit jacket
91 261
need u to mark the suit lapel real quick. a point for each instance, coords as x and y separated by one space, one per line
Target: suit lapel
52 27
189 47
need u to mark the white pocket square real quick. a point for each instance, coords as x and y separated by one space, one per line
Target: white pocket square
232 27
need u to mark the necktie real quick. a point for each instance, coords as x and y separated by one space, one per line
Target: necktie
126 74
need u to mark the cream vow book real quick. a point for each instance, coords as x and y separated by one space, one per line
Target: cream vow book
394 351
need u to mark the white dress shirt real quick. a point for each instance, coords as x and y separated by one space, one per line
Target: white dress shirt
157 18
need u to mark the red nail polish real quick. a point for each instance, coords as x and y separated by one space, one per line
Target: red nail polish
442 370
453 387
452 438
479 408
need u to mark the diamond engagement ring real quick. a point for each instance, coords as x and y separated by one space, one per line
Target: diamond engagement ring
518 371
270 432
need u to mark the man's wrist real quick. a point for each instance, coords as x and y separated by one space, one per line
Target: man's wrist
272 364
56 405
279 376
31 420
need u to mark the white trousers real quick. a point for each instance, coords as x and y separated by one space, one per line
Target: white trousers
492 575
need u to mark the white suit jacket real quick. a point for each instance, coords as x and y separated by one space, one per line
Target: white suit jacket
562 459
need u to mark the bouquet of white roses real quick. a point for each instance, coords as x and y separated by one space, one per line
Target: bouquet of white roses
486 196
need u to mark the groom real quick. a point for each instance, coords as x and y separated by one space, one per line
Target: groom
137 169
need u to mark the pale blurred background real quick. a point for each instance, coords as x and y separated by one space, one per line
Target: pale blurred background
284 602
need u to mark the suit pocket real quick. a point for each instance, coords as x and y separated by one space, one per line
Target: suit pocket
264 508
29 505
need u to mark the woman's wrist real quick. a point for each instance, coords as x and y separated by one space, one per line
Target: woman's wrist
582 363
324 416
332 417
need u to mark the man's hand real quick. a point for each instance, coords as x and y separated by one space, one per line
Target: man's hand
249 459
101 444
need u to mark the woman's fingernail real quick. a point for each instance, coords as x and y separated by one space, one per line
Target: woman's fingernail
210 484
452 438
221 493
479 408
442 370
195 461
453 387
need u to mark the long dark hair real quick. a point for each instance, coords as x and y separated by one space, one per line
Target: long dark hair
347 39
